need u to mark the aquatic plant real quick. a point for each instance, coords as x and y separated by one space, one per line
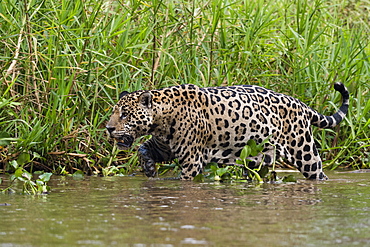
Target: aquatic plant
250 150
29 185
241 170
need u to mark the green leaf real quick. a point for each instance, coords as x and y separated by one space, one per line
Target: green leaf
31 183
263 171
254 149
27 175
23 158
251 143
240 162
214 168
14 164
290 178
39 182
45 177
245 152
36 155
226 176
254 152
18 173
4 138
47 187
199 178
78 174
221 171
262 144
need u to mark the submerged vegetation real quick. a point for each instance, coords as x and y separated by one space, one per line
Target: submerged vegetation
64 63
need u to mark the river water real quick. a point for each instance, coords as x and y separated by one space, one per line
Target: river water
135 211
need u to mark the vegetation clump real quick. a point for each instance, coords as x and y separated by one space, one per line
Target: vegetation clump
64 63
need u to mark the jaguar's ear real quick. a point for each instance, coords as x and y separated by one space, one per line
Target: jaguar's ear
145 99
123 94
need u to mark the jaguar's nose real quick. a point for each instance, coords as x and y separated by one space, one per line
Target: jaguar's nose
110 129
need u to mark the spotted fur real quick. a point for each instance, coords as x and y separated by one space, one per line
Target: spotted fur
202 125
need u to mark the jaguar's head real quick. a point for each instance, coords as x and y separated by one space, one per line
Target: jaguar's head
131 118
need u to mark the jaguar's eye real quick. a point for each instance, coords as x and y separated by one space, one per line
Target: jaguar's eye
123 113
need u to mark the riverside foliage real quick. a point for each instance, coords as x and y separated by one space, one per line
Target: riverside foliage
64 63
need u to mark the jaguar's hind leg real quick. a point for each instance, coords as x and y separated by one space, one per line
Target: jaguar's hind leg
307 160
311 169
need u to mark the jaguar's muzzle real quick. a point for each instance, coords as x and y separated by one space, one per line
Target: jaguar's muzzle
125 142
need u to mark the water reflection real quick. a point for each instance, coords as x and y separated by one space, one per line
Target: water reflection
127 211
199 210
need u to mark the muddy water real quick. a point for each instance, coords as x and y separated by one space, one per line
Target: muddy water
135 211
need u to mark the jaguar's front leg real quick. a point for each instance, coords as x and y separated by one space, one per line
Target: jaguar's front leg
151 152
146 161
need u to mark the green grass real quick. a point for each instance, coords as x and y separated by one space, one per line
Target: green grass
64 63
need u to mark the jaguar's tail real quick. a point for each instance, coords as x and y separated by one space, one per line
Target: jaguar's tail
323 121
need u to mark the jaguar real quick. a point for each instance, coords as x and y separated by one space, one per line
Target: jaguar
198 126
